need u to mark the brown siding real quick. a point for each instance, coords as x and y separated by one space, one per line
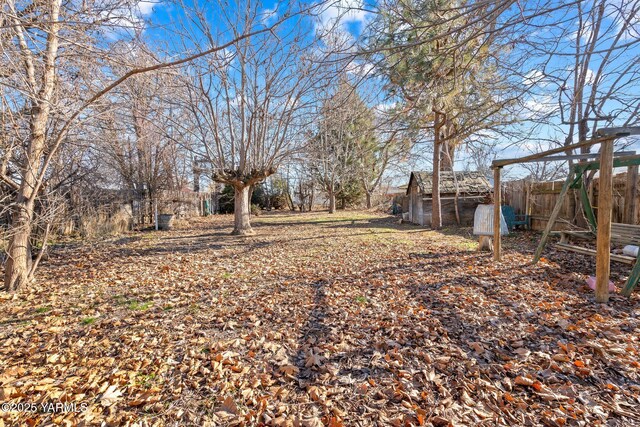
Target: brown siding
544 195
466 208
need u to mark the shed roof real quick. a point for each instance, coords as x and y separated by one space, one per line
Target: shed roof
469 182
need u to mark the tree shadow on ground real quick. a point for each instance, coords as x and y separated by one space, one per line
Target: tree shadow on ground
468 338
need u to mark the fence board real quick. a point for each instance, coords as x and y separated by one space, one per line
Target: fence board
539 198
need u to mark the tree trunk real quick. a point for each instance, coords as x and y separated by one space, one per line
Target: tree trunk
436 214
332 202
292 205
19 256
17 271
447 153
301 194
242 225
368 197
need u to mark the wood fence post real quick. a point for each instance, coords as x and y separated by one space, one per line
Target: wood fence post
605 201
630 195
496 214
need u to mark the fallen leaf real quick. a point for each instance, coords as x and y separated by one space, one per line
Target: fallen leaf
110 396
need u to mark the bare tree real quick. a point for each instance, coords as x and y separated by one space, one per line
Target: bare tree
344 126
48 95
249 105
390 144
138 141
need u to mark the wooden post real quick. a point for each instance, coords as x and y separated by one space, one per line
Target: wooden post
630 195
605 201
155 216
484 243
497 214
527 197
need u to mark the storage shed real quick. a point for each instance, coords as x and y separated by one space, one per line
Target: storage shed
473 187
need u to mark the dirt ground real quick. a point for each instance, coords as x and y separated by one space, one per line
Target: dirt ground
350 319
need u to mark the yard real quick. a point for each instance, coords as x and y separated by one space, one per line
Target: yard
348 319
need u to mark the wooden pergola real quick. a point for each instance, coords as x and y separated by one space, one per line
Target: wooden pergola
606 138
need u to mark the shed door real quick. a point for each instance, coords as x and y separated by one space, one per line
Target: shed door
411 197
416 215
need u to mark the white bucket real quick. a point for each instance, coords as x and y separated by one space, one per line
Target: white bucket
630 250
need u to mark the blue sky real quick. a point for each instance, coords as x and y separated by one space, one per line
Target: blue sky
541 70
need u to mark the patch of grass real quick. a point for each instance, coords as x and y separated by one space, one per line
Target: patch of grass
133 304
322 218
139 305
467 244
88 320
146 380
167 307
120 300
43 309
15 322
385 230
227 275
361 299
371 236
406 242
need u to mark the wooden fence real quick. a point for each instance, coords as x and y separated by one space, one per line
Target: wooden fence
122 210
538 199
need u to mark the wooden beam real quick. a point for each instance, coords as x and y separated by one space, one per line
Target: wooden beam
571 157
619 131
459 198
605 203
604 134
631 194
542 154
497 214
618 162
552 218
586 251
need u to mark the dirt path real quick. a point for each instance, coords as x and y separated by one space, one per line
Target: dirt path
348 320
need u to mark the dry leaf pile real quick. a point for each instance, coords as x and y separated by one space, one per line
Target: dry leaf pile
318 320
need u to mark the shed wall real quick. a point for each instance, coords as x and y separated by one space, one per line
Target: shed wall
466 207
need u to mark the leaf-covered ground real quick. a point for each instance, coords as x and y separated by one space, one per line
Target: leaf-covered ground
350 319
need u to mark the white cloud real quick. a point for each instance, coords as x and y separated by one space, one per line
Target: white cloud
585 34
123 19
146 7
590 78
269 16
222 59
625 12
338 13
618 13
360 69
385 106
540 106
533 77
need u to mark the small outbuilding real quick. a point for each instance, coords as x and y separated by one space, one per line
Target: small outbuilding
471 188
